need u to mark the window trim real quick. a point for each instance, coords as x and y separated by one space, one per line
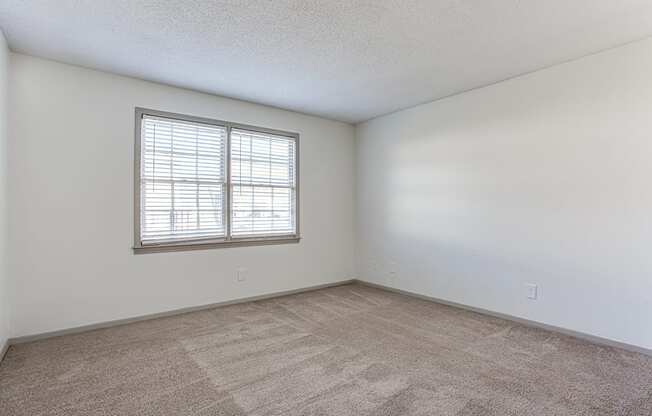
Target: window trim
208 243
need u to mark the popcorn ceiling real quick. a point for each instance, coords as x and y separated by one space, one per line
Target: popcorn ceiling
344 60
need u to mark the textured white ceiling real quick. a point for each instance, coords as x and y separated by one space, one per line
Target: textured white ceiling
347 60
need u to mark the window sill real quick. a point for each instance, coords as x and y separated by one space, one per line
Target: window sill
186 246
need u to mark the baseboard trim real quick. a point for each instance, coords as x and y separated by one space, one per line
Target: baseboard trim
108 324
3 350
581 335
118 322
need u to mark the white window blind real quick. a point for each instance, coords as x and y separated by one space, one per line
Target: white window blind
183 180
204 183
263 191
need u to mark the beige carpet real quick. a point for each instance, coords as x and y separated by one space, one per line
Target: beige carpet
349 350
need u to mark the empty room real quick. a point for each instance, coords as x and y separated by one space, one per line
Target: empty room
325 207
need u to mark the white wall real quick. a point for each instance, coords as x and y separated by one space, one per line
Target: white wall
71 203
4 279
542 179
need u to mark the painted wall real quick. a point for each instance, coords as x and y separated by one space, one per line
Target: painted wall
543 179
71 203
4 269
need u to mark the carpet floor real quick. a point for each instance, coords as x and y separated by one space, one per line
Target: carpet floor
347 350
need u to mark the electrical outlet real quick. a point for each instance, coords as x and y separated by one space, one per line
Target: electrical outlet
372 267
532 291
242 274
392 271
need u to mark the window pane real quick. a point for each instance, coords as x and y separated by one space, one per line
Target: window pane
182 180
263 184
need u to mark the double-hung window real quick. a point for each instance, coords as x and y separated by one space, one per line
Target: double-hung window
204 183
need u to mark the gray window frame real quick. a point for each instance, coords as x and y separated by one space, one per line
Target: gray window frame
228 240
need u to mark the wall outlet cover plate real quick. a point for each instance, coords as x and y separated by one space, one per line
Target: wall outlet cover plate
532 291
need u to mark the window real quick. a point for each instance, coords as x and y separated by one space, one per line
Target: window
205 183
